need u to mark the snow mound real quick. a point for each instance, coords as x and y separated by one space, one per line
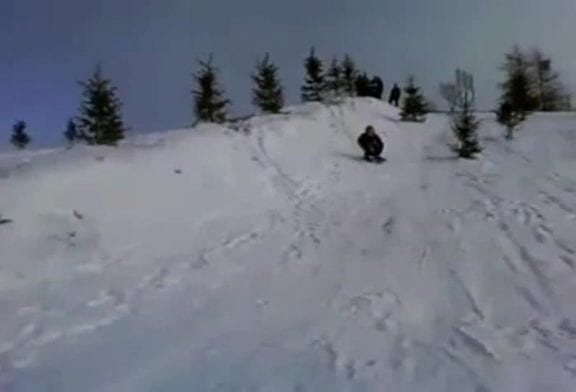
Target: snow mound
266 255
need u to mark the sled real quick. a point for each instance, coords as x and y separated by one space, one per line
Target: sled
375 159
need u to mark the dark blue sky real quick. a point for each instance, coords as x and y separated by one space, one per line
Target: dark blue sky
150 48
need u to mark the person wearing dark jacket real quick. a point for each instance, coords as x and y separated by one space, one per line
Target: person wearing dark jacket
371 144
395 95
377 87
362 85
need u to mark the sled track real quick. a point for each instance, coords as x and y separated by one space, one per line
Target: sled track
307 217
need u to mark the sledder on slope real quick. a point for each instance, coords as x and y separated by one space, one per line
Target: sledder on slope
372 145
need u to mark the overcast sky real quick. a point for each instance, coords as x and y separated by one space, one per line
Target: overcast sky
150 48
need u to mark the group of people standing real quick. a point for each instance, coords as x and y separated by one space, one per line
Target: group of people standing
374 87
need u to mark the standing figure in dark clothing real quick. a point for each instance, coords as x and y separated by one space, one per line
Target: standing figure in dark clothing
362 85
395 95
377 87
371 144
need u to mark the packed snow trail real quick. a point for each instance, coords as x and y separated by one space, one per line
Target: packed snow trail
272 258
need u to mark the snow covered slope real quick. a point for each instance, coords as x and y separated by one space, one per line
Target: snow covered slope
271 258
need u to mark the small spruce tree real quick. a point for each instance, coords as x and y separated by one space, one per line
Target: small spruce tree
314 86
71 132
349 75
415 107
464 123
510 118
210 104
334 80
268 94
20 139
465 126
100 119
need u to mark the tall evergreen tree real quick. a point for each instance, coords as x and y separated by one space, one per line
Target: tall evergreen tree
20 139
415 107
71 132
334 79
210 104
314 86
349 75
518 88
518 98
268 94
549 90
100 119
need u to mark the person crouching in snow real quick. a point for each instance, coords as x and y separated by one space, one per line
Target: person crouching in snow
371 144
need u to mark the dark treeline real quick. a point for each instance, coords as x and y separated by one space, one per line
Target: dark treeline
530 84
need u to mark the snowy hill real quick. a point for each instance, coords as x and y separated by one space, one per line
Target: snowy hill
271 258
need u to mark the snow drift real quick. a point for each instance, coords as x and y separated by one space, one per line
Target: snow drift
267 256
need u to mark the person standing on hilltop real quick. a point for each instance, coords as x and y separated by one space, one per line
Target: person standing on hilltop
377 87
395 96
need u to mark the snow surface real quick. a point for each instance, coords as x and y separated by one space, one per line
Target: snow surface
269 257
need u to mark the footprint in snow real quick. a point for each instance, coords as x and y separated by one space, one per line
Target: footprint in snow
570 365
376 307
388 226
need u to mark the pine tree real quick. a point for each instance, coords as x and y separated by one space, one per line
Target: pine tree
315 84
20 139
268 94
349 75
465 127
71 132
518 97
549 90
100 119
464 123
510 118
334 80
415 107
210 104
518 88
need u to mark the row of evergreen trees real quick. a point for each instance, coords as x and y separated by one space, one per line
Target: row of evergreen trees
340 79
531 84
99 121
21 139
